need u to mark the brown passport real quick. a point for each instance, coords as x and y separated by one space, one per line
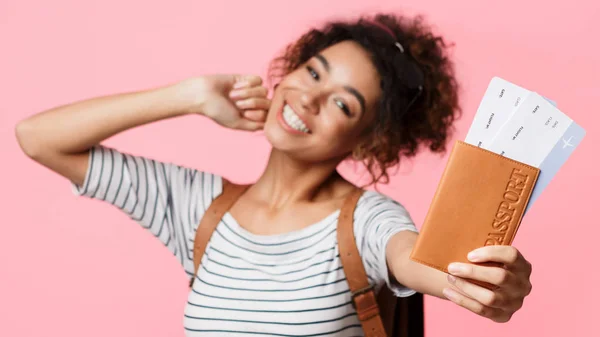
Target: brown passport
479 201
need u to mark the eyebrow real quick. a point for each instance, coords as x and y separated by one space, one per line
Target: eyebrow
351 90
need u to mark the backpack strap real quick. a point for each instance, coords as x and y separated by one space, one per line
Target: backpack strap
363 294
218 207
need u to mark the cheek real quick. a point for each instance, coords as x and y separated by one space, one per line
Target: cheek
276 102
340 135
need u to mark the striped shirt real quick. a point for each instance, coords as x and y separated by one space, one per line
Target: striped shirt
288 284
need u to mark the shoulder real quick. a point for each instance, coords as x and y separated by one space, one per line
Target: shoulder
375 206
186 185
377 218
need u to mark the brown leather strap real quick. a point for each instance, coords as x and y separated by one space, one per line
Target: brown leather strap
212 217
363 295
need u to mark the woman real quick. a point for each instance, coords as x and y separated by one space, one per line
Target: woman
369 90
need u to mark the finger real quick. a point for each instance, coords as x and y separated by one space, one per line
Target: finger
480 294
470 304
242 81
249 125
254 104
508 255
255 115
493 275
248 92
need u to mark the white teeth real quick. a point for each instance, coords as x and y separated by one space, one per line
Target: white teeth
293 120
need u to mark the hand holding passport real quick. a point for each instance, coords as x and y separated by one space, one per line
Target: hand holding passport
516 144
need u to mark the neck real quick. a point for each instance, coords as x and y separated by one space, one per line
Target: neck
287 180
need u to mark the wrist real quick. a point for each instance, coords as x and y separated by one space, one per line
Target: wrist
188 96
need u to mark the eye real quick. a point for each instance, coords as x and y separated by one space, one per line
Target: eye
343 107
312 73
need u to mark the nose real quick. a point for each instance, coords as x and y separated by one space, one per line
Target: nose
309 100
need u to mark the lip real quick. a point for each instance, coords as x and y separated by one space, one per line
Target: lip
286 126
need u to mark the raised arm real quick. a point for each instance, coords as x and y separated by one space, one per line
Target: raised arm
166 199
61 137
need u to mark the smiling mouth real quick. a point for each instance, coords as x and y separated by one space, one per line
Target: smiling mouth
292 120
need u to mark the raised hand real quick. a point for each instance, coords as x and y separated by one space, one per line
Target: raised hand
233 101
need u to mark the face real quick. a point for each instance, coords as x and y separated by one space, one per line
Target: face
320 111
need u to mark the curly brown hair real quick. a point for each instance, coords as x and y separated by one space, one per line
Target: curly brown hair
406 119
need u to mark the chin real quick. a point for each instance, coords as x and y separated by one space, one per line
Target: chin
279 139
282 142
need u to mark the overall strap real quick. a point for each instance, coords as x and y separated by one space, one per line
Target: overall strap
212 217
363 294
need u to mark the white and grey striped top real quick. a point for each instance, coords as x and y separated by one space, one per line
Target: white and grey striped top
291 284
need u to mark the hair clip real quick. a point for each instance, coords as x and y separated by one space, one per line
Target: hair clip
414 79
400 47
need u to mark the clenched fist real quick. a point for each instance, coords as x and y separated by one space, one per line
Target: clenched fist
233 101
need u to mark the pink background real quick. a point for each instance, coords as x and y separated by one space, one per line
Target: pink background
72 267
